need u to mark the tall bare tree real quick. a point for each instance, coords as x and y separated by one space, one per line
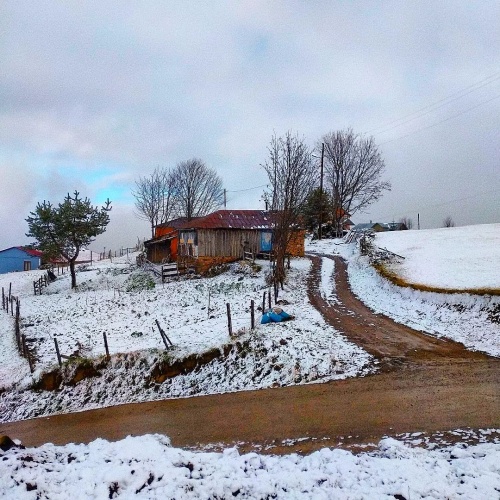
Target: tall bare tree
154 197
292 176
198 189
354 167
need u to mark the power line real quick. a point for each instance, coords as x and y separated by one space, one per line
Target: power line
432 110
427 207
465 91
442 121
248 189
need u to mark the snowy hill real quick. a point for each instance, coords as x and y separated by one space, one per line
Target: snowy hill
457 258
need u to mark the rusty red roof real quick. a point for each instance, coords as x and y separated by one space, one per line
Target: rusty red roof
176 223
232 219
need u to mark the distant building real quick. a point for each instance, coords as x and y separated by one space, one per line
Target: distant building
380 227
19 259
369 226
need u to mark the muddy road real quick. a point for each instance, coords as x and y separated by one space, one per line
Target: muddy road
424 384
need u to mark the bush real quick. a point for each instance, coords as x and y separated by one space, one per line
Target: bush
139 281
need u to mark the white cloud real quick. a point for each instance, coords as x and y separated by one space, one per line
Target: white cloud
133 86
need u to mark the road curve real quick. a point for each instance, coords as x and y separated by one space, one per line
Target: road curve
424 384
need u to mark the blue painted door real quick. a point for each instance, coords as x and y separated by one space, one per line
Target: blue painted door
266 241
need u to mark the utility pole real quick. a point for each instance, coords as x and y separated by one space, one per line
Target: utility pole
418 221
320 230
224 197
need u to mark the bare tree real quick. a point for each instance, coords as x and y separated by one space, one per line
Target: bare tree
154 198
198 189
448 222
354 167
291 177
407 222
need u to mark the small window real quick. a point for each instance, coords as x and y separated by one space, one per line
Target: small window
27 265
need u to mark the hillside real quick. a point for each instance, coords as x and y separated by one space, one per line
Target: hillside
455 258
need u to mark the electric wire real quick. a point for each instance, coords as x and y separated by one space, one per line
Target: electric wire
441 121
436 105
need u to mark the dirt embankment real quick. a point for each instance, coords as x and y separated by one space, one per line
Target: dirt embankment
425 384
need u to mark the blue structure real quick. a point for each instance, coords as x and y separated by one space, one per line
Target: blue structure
19 259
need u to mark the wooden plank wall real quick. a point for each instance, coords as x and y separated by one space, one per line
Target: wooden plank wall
227 242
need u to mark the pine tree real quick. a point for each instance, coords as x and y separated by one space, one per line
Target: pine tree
66 229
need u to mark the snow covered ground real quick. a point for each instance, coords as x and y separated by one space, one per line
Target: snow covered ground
147 467
471 319
300 351
455 258
304 350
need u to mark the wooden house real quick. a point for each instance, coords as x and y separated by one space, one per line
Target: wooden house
19 259
224 235
219 237
164 246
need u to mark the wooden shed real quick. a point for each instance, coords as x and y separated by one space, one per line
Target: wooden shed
164 246
224 235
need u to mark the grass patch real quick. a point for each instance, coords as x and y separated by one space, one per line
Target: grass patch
397 280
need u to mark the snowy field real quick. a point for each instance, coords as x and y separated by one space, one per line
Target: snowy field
304 350
300 351
147 467
452 258
471 319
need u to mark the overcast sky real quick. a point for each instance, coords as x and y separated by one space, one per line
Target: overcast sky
94 94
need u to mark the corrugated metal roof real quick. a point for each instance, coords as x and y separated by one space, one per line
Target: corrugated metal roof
161 239
176 223
232 219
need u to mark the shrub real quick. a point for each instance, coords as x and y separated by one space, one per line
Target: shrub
139 281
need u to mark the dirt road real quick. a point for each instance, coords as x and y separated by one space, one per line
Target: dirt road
424 384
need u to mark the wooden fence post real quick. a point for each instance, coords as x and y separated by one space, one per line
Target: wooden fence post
27 354
17 325
264 303
30 362
57 352
3 298
23 345
252 314
164 337
269 298
229 324
106 346
10 290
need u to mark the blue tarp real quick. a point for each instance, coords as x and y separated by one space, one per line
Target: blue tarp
274 317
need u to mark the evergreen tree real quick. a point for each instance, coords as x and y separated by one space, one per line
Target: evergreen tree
316 208
66 229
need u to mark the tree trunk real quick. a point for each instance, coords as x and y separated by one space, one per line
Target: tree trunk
73 273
